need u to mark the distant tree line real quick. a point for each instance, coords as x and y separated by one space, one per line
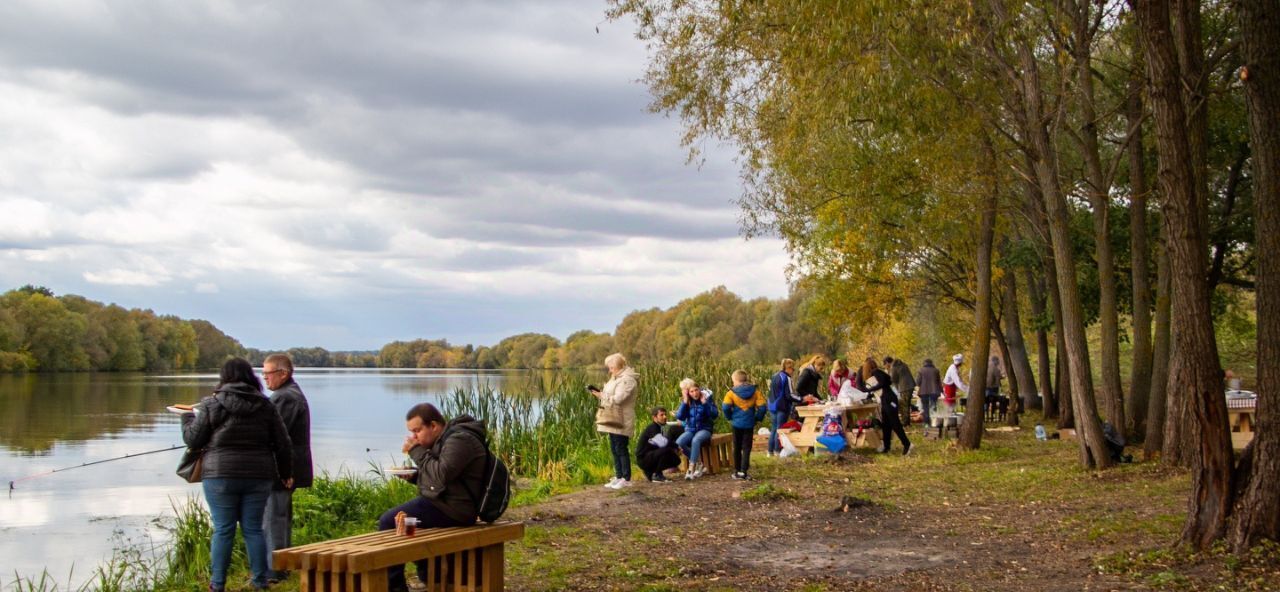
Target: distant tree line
41 331
714 325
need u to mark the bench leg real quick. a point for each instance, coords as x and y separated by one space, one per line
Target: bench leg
374 581
492 560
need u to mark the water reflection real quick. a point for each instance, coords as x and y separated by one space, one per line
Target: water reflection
39 411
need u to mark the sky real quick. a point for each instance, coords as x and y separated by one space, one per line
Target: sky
344 174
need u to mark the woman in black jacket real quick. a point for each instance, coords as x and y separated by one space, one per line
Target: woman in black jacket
876 379
246 451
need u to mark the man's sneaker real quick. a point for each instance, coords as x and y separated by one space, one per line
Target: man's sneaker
737 475
906 449
659 478
612 482
746 477
882 450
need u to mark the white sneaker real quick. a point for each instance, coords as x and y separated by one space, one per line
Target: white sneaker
688 475
612 482
622 484
699 471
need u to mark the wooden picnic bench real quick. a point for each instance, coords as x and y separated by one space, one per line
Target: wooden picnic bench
716 454
461 558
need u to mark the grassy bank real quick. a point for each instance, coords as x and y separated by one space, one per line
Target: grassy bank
990 519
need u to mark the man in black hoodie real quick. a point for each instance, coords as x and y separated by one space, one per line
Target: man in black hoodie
451 458
277 372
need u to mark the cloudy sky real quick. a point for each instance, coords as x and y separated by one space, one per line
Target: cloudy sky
347 173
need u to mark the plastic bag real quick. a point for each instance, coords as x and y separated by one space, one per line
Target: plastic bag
832 436
849 394
763 432
788 449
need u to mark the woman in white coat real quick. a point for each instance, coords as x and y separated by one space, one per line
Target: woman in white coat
616 416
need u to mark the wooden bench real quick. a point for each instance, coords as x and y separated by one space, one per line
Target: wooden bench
716 455
462 558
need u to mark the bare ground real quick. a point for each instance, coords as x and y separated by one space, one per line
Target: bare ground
939 520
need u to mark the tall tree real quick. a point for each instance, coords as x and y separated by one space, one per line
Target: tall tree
1258 512
1195 351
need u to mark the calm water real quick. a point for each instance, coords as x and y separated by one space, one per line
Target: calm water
52 422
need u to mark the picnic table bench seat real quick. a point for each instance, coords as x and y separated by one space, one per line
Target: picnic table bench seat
716 454
461 558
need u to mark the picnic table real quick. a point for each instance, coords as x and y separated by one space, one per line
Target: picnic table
811 426
1240 416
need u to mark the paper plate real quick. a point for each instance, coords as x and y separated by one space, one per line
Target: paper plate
400 471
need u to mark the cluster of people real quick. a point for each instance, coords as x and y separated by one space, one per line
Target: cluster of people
664 443
257 452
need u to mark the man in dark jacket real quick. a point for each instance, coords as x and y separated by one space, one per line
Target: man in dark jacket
287 396
930 383
904 383
656 454
451 458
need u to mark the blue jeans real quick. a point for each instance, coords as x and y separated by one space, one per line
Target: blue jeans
233 501
621 456
927 405
779 418
691 444
429 516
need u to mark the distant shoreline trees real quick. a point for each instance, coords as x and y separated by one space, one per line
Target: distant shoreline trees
43 332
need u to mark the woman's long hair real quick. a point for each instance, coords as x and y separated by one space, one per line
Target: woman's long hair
239 370
869 367
814 360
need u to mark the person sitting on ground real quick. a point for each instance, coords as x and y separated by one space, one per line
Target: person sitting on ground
782 399
839 376
656 452
810 377
698 412
890 422
744 407
450 457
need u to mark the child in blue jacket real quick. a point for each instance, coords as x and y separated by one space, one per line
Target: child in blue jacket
744 407
698 412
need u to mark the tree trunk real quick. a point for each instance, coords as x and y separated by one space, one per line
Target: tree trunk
1099 194
1157 401
1140 373
1093 452
1044 369
1258 514
1067 416
1019 366
1195 350
972 428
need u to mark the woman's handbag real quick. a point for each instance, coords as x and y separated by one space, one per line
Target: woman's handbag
191 466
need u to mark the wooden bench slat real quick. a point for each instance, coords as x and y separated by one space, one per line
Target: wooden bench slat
406 549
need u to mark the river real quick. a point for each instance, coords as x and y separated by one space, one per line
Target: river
52 422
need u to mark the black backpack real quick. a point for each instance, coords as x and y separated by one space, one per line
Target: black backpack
497 487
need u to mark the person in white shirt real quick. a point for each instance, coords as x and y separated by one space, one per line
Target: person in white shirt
951 383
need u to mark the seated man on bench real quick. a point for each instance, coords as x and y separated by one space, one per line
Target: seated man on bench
451 465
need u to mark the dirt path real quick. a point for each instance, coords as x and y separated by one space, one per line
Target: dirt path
930 527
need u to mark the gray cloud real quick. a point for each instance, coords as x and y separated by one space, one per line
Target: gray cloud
308 171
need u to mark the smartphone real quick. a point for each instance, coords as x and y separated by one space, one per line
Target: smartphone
591 388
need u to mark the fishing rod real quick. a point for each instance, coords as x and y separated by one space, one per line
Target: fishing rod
96 462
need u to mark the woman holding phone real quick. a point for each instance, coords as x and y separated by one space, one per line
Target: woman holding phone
616 416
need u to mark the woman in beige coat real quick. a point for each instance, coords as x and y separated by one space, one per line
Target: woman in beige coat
617 416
